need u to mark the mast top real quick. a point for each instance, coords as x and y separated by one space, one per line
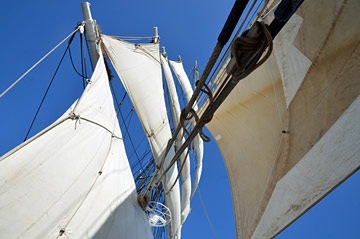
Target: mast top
91 33
85 7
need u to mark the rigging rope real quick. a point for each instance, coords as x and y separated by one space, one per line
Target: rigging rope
83 54
73 65
81 59
207 215
122 117
13 84
48 88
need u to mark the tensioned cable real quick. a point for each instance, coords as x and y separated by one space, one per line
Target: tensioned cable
227 52
219 67
81 59
48 88
13 84
127 116
132 37
73 65
207 215
122 117
83 54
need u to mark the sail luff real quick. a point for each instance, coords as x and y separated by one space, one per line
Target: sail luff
198 142
184 158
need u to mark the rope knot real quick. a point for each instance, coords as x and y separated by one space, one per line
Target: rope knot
74 116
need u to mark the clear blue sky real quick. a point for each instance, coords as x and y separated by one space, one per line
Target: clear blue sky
189 28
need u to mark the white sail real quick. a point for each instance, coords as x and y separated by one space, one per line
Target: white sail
276 123
184 158
139 68
73 180
198 142
336 152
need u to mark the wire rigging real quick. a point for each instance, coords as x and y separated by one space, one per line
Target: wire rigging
122 117
73 65
48 88
37 63
81 59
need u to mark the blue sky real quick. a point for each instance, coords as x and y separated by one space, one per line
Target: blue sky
189 28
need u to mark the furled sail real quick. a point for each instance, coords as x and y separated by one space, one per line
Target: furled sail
184 158
288 132
139 68
198 142
73 179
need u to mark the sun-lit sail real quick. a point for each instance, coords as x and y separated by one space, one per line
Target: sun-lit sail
275 128
139 68
73 180
184 158
198 142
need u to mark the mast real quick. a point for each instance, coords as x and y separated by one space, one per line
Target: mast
92 33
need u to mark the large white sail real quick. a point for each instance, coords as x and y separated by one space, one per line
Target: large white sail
184 158
275 129
139 68
73 180
180 73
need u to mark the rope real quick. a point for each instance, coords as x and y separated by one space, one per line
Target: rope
73 116
62 230
73 65
179 173
48 88
122 117
13 84
252 60
207 215
83 55
81 59
129 37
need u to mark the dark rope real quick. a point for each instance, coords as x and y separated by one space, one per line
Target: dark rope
73 65
81 57
122 117
47 90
